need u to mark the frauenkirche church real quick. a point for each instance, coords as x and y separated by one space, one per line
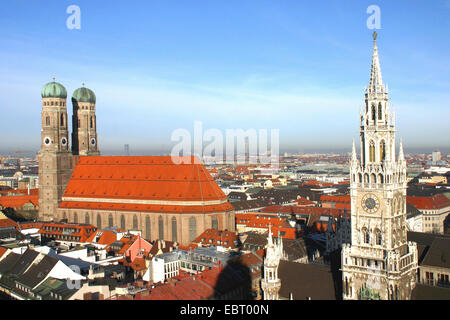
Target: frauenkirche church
163 200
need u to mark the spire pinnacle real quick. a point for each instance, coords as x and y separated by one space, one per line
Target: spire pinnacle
401 155
270 236
375 73
354 151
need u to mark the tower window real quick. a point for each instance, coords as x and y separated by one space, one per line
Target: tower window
373 113
372 152
47 121
380 111
382 150
62 119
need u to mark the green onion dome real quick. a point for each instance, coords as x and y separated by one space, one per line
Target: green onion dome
84 95
54 90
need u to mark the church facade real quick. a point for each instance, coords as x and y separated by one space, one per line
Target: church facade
162 198
379 262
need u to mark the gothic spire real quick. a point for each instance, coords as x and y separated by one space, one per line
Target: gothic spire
354 152
401 155
269 239
376 80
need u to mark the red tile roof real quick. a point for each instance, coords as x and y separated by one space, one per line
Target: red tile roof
305 202
18 201
23 192
435 202
67 231
2 251
301 210
330 198
102 237
6 222
217 238
146 178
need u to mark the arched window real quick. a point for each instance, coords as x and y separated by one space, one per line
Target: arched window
373 113
47 121
192 228
380 111
174 230
366 178
135 222
86 218
91 123
371 151
373 178
360 178
110 220
214 223
147 228
366 235
99 221
122 221
378 237
161 227
382 150
380 178
62 119
75 217
64 216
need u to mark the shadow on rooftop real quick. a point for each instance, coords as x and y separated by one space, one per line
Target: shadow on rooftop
234 282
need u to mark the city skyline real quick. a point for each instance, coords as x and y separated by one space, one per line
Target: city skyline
147 87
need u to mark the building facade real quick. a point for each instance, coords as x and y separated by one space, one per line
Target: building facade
379 263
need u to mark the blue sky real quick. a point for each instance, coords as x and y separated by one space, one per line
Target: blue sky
296 66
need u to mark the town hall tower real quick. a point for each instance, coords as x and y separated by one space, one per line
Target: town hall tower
379 263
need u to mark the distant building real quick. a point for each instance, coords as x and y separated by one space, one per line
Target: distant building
435 210
436 156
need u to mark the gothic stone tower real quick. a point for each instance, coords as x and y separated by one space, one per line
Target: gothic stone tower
379 263
84 123
55 157
271 284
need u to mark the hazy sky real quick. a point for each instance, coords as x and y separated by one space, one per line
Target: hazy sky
296 66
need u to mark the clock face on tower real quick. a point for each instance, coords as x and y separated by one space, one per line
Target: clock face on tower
370 203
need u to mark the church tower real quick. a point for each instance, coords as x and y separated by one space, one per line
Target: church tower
55 157
379 263
84 123
271 284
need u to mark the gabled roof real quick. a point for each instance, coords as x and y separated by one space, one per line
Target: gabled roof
158 182
24 261
8 262
36 273
147 177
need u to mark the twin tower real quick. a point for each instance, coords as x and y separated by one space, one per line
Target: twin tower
56 158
